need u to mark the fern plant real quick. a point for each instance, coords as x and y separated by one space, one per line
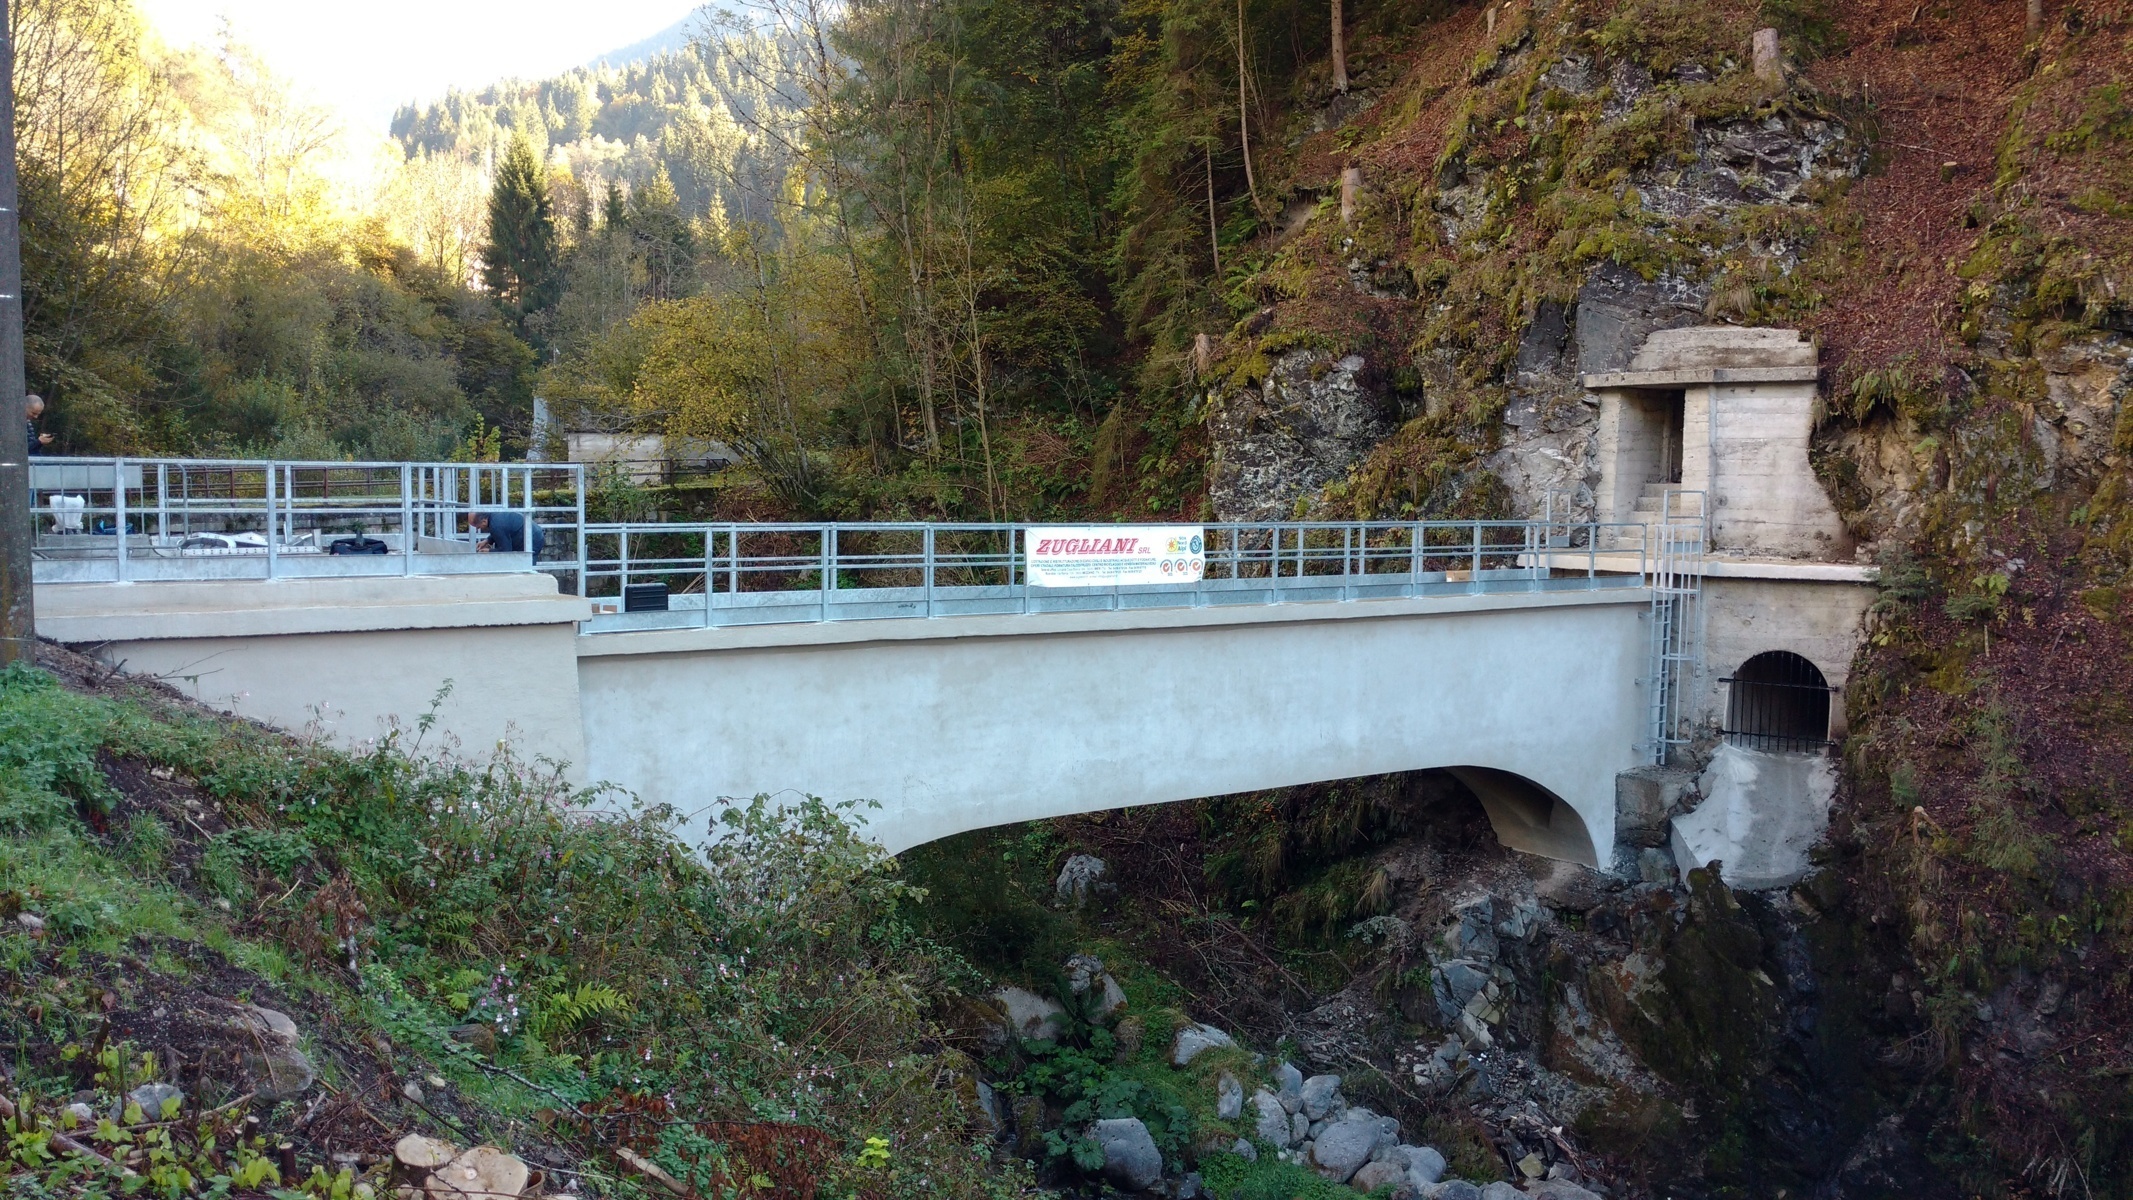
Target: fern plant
563 1011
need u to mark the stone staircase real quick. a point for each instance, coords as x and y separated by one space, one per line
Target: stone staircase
1646 512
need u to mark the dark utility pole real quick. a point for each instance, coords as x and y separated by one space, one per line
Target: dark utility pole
18 621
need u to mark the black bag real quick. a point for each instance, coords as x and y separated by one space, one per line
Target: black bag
644 597
355 545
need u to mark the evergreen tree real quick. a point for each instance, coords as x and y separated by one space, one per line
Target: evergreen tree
519 263
662 241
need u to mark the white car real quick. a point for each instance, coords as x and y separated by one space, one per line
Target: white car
224 541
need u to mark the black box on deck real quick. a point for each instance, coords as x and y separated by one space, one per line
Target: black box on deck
644 597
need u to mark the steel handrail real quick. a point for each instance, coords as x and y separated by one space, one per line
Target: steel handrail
839 570
153 505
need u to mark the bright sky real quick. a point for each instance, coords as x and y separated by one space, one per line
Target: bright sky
366 57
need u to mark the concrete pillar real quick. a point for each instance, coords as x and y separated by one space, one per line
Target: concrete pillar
1698 413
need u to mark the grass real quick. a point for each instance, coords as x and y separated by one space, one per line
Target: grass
760 1010
635 992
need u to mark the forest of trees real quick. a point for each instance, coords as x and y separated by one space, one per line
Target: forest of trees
909 257
202 277
917 257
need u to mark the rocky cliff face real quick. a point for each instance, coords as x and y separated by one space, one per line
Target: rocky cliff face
1279 442
1937 196
1541 1022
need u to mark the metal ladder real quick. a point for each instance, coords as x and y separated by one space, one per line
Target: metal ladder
1675 558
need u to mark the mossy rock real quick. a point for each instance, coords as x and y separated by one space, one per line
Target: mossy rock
2103 603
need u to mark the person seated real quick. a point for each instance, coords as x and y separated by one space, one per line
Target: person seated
508 531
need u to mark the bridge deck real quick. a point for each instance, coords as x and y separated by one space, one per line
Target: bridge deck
719 609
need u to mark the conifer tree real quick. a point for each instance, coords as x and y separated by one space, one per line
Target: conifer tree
662 240
519 263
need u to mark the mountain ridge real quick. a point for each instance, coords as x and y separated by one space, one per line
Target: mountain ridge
673 37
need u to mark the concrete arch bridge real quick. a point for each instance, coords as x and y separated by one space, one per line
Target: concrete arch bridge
944 671
948 673
1306 653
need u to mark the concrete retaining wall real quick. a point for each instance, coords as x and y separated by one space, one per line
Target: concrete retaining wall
349 657
1820 621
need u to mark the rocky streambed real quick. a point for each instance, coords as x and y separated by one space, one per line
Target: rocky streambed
1515 1027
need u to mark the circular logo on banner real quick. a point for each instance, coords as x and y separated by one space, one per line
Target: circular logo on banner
1166 566
1196 543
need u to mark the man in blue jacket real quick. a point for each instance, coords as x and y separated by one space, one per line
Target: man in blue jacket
33 408
508 531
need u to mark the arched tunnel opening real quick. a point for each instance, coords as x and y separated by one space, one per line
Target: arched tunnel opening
1777 700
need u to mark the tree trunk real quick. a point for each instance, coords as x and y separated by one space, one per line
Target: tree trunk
2036 18
1340 50
1214 231
1244 119
1351 183
1769 61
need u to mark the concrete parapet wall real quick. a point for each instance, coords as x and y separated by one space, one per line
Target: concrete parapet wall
109 612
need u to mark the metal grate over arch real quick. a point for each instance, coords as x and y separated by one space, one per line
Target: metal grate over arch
1778 701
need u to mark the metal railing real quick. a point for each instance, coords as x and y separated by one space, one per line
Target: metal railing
734 574
123 520
1674 546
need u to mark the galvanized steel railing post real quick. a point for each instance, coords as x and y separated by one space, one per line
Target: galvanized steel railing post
525 482
929 570
1474 568
710 567
829 567
118 508
1414 558
1348 562
408 538
273 551
577 489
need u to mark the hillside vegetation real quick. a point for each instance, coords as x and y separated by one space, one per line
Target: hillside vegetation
1158 257
466 954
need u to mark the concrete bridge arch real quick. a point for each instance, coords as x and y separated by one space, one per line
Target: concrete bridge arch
1534 701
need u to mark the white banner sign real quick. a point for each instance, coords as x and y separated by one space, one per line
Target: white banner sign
1102 555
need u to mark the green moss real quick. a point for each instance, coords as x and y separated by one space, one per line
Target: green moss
1663 34
2106 117
1229 1177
